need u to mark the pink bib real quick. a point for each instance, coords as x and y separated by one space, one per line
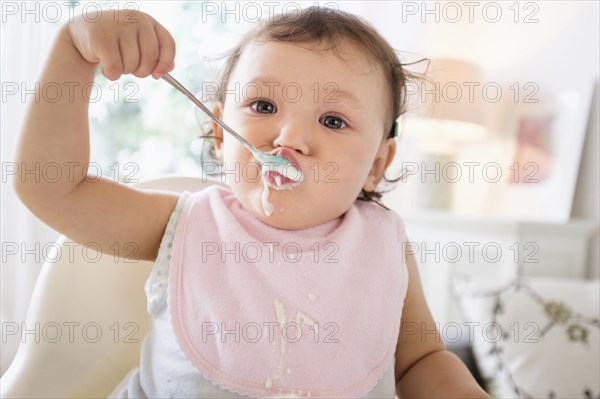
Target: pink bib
300 313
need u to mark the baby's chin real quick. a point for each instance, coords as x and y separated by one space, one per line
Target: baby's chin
285 209
281 211
286 222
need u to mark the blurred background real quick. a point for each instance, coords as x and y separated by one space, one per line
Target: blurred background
499 149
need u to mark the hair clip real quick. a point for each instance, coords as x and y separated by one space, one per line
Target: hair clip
394 130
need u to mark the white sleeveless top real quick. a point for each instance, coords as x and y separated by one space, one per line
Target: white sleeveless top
165 371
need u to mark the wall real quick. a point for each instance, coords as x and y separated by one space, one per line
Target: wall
558 52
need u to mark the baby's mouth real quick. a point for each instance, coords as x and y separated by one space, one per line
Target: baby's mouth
279 182
280 177
285 175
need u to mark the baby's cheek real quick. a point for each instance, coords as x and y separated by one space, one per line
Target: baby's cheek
359 153
329 200
357 165
343 179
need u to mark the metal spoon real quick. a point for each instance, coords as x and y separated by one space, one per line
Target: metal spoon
279 163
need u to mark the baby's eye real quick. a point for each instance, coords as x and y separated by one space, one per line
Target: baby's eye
264 107
333 122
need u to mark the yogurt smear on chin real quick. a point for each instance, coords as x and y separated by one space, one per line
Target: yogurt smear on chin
273 179
267 206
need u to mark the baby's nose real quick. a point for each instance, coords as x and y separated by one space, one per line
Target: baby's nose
293 136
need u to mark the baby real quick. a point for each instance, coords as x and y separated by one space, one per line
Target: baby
333 307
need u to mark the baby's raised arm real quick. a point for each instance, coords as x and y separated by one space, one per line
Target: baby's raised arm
57 133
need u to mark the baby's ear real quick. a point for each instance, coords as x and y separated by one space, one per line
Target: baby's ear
385 156
217 131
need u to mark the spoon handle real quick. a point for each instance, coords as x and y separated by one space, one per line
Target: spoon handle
173 82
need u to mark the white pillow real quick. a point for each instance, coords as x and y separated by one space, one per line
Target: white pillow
535 337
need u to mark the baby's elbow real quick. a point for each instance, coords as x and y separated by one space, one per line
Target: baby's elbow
23 191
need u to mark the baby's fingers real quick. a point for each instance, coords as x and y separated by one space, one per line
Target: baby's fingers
148 44
130 52
166 46
110 58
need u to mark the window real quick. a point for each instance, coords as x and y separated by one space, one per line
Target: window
140 128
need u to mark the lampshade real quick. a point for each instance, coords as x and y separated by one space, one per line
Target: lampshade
449 104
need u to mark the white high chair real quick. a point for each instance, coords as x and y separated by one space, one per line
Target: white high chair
86 319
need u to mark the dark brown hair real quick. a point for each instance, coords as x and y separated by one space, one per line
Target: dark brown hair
318 25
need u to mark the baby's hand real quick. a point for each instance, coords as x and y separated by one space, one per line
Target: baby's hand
124 42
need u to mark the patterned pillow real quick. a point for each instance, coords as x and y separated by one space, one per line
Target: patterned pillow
534 337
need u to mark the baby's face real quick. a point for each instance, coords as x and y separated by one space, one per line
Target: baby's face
327 111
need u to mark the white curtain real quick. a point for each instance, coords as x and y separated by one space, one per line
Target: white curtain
24 47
